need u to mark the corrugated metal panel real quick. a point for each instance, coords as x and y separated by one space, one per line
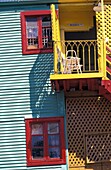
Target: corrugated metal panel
38 1
26 2
22 77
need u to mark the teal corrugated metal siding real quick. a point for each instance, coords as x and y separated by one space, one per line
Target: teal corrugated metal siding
25 91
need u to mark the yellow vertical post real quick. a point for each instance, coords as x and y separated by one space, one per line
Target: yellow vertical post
101 58
104 60
59 43
62 38
53 19
57 28
89 58
104 45
53 15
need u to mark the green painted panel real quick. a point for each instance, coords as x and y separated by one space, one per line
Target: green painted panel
28 1
39 1
25 90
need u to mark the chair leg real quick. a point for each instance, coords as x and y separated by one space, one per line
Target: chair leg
80 69
77 70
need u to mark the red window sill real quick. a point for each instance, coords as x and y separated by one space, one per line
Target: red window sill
46 162
37 51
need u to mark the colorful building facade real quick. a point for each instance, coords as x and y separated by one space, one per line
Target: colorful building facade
55 85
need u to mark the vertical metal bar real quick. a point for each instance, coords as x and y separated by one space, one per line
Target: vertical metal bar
95 58
77 51
101 57
89 56
83 58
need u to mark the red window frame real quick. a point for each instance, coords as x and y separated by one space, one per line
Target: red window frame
38 13
46 160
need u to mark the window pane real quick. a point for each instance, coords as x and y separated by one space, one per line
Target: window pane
37 153
46 32
54 152
46 21
32 32
53 128
53 140
37 128
37 141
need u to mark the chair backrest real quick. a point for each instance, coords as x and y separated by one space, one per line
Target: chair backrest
73 53
74 60
68 61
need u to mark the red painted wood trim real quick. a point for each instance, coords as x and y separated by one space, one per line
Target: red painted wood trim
46 160
67 83
62 139
108 69
40 33
28 134
107 85
37 12
104 92
57 85
64 85
108 49
37 51
108 58
45 141
23 33
23 15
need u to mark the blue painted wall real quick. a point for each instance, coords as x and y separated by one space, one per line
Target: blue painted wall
25 90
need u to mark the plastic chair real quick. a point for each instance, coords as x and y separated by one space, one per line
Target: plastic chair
73 62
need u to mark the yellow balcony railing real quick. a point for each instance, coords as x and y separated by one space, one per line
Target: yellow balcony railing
85 51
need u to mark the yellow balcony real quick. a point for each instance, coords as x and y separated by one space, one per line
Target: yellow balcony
76 59
76 63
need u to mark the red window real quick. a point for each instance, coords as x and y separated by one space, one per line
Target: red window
45 143
36 32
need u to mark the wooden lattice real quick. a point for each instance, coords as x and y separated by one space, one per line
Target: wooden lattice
86 117
98 147
107 20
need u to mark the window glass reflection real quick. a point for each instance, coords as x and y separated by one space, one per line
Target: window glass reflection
46 32
32 32
53 140
31 24
37 153
37 128
54 152
53 128
37 141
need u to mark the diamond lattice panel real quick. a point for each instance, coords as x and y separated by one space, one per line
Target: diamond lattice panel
98 147
86 116
107 20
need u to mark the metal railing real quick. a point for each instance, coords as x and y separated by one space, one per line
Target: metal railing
86 51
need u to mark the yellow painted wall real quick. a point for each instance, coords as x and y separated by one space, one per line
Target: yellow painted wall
76 21
76 18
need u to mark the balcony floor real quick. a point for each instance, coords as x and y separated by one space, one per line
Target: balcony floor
75 76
